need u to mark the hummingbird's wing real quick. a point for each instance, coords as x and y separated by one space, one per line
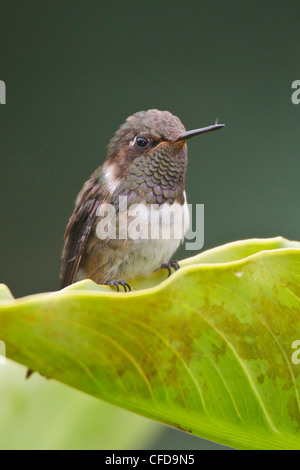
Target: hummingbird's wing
79 228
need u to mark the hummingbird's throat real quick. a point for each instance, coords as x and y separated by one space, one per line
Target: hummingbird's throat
155 177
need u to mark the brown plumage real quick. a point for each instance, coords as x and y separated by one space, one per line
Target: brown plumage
146 162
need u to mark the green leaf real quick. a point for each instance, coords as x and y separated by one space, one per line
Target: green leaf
208 350
39 414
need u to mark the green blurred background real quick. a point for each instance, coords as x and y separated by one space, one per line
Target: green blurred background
74 70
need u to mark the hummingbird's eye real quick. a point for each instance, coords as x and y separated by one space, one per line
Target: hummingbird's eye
141 142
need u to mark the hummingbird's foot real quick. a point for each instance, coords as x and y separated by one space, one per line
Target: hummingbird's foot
124 284
168 266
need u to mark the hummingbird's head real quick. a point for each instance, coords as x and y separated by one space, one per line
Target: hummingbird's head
147 137
144 135
142 132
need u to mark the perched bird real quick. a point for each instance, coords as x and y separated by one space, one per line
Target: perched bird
146 164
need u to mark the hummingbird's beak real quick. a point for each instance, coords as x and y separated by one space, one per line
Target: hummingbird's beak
193 133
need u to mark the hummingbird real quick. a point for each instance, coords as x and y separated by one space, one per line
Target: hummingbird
146 164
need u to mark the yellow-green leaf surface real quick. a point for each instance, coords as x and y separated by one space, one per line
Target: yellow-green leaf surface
208 350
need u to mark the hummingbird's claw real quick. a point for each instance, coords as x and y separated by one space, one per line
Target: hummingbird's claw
168 266
124 284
